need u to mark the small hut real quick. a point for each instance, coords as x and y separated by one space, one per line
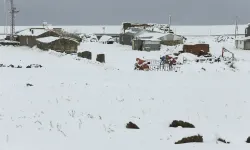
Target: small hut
59 44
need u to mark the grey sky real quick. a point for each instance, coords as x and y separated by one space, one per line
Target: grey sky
113 12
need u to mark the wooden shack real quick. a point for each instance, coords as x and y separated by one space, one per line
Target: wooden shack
196 49
59 44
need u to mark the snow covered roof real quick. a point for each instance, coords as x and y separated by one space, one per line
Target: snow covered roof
50 39
47 39
152 35
105 38
31 32
150 39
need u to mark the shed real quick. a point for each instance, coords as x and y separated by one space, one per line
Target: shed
146 44
28 37
59 44
243 43
196 48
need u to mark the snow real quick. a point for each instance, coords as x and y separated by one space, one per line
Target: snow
47 39
81 104
50 39
105 38
151 35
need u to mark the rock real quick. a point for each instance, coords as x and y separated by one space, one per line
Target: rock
191 139
34 66
131 125
2 65
223 141
12 66
180 123
28 84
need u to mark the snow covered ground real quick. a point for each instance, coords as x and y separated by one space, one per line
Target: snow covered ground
80 104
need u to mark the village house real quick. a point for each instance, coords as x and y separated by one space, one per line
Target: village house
28 37
244 42
135 32
152 41
59 44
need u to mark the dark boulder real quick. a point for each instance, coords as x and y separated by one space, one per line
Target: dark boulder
131 125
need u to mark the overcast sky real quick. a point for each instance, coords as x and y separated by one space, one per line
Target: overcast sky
114 12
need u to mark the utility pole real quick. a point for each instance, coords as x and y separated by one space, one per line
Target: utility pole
236 27
13 12
169 22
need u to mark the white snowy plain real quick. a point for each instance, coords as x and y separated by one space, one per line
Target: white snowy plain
77 104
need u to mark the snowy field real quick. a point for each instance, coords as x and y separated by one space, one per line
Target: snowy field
77 104
182 30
